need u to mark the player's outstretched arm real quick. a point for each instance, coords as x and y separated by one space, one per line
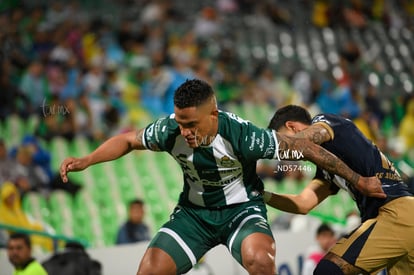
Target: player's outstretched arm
313 194
111 149
293 148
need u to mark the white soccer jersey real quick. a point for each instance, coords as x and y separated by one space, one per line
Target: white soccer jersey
222 173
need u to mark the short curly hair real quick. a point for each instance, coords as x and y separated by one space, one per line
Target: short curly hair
192 93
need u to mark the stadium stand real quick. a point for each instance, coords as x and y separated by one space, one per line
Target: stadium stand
250 40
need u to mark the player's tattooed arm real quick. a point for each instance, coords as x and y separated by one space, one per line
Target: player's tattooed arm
294 148
317 133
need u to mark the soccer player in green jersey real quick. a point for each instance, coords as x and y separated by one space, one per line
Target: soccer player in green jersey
221 201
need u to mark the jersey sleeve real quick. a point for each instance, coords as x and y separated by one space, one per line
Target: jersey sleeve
160 134
331 123
258 143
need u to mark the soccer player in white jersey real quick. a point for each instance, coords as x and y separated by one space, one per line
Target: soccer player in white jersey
221 201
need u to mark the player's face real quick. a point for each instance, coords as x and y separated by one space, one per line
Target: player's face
198 125
18 252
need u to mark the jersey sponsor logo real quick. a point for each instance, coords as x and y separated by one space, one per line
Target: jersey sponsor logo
226 161
252 140
257 142
391 173
270 149
193 176
223 173
220 182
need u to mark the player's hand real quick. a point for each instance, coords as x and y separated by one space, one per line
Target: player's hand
371 187
71 165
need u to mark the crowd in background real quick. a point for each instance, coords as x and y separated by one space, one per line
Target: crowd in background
98 73
96 68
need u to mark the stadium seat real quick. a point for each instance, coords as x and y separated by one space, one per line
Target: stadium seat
61 216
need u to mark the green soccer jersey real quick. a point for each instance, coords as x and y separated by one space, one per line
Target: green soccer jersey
222 173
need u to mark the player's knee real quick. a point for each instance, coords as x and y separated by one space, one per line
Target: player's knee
327 267
155 262
259 262
147 269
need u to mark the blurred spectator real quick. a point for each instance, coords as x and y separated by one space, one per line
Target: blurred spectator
35 86
373 103
368 124
34 165
37 178
207 25
325 238
7 165
355 14
406 129
19 251
134 230
154 11
42 43
278 14
11 213
93 82
337 100
3 239
227 6
12 99
154 88
320 13
184 50
349 63
62 52
73 260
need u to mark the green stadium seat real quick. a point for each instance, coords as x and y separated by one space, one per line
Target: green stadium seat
58 148
126 189
31 205
31 124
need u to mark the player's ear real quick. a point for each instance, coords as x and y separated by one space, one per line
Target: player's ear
290 125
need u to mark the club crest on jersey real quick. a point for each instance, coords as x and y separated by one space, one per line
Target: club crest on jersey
226 161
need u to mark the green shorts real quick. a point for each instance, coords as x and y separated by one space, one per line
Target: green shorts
191 232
